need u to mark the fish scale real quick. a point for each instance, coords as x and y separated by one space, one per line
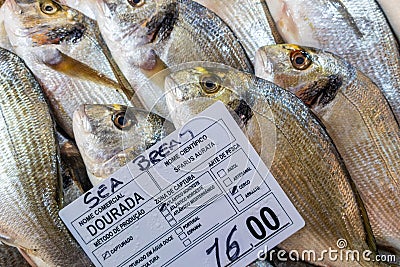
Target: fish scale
30 182
303 158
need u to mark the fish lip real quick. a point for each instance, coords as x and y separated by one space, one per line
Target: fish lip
266 70
160 26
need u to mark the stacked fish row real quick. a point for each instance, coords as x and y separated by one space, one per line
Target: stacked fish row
115 78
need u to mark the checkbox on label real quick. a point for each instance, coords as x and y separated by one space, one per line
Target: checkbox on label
227 182
221 173
169 217
172 222
179 231
182 236
187 242
165 212
234 190
106 255
239 199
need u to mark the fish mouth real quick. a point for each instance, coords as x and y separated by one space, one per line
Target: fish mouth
160 26
66 33
266 70
80 120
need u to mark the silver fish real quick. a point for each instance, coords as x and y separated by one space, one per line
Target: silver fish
137 32
355 30
301 156
30 181
357 117
61 47
109 136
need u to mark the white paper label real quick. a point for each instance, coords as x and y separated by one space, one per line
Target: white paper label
200 197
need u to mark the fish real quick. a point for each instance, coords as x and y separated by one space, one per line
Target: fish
358 118
176 31
9 256
249 20
73 170
61 47
109 136
30 182
294 146
392 12
356 30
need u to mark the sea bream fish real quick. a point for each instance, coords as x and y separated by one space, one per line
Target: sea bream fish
61 47
109 136
355 30
249 20
139 31
301 156
357 117
29 173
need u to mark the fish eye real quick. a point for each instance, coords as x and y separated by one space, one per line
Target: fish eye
300 59
49 8
136 3
121 121
210 83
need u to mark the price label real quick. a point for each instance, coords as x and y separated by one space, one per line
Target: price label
202 196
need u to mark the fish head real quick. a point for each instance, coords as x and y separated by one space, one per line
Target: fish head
315 76
42 22
109 136
134 24
195 86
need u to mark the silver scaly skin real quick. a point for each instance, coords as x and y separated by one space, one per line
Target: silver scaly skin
109 136
301 156
357 117
61 48
30 181
356 30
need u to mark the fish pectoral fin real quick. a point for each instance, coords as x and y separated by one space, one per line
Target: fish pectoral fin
74 68
7 240
27 257
320 92
13 243
155 69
